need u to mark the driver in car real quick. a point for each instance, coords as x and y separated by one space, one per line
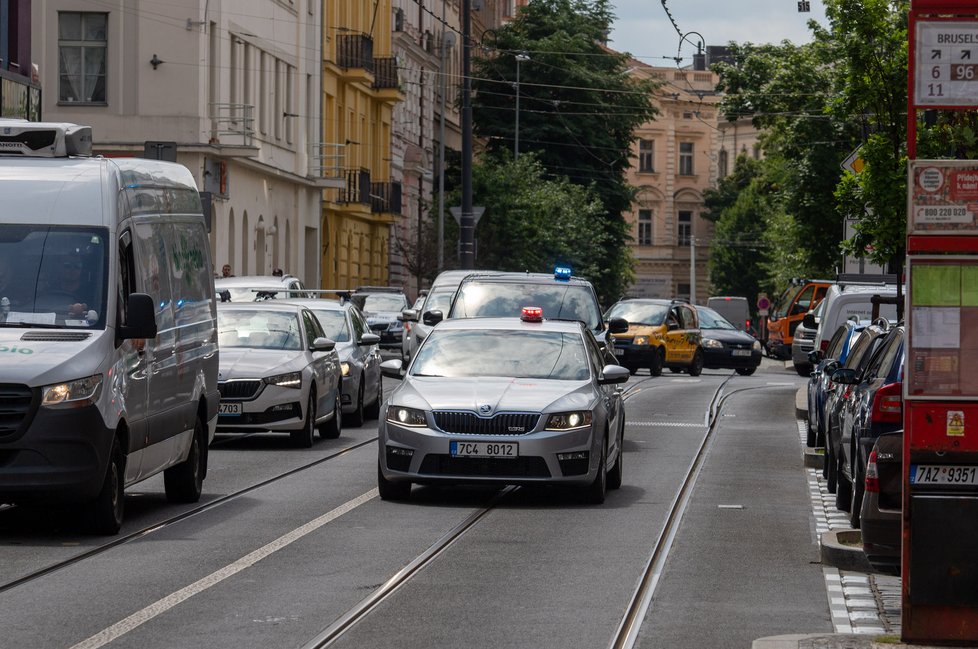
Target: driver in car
70 284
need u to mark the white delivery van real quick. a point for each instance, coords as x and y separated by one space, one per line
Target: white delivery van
852 299
735 309
108 334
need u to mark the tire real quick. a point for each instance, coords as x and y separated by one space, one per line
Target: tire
332 428
811 434
109 506
595 492
356 417
697 366
305 436
631 369
185 481
658 361
615 474
832 475
372 411
391 490
803 370
746 371
843 489
856 503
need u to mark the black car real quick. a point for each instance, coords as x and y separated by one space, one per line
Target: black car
726 347
881 513
382 305
876 407
820 384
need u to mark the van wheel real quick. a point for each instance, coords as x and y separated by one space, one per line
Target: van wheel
697 367
109 506
595 492
185 481
356 417
305 436
332 428
658 361
390 490
373 410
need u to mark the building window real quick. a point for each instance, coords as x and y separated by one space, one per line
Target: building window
645 227
646 156
82 41
687 115
684 233
722 164
685 158
682 291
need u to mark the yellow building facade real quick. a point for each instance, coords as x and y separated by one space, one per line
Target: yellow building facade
360 88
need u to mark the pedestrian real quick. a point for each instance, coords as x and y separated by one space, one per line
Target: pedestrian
226 271
277 272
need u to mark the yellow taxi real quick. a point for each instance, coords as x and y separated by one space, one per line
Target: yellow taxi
661 334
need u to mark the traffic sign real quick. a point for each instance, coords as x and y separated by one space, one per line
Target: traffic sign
477 211
763 304
854 162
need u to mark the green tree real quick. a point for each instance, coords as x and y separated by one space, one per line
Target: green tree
579 109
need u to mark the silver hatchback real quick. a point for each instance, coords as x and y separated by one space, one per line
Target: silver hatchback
504 400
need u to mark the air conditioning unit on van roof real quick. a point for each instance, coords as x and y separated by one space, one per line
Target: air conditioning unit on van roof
44 139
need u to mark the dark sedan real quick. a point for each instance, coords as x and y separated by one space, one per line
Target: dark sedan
726 347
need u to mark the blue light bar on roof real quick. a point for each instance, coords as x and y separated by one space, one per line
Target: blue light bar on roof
563 272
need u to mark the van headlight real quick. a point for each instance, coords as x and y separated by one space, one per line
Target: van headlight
406 416
569 420
73 394
711 343
290 380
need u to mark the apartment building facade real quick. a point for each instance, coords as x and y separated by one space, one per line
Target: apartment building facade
231 92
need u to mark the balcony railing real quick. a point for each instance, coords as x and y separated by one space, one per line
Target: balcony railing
236 120
357 188
385 197
385 72
327 160
355 51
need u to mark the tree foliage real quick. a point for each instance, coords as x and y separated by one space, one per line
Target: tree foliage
579 109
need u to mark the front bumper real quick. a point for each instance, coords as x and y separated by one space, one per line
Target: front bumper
630 355
723 359
430 460
273 408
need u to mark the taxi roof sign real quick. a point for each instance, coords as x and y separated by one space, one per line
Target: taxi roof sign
44 139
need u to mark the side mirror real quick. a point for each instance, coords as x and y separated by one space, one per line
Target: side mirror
368 339
409 315
613 374
617 325
392 369
140 318
431 318
322 345
845 376
672 326
809 321
815 356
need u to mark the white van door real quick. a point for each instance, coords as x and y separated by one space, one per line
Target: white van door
135 364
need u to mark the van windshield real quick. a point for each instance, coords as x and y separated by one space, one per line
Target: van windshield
53 276
785 301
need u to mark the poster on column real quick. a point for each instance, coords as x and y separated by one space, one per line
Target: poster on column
943 197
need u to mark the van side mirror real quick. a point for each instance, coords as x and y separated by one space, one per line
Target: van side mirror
617 325
140 318
431 318
809 321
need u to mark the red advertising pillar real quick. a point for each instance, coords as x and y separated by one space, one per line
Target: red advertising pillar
940 453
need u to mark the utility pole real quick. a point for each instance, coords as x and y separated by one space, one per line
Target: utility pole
466 222
692 269
522 56
441 142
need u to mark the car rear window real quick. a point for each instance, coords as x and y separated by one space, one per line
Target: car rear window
558 301
505 353
639 313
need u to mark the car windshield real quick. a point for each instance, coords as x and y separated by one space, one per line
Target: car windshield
558 301
710 319
374 302
512 354
643 313
258 329
53 277
334 324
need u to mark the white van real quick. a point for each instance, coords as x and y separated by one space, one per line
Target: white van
108 334
735 309
852 300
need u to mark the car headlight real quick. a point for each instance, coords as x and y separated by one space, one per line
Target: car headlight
345 369
711 343
406 416
756 346
289 380
640 340
73 394
569 420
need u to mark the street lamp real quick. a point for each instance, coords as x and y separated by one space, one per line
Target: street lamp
520 57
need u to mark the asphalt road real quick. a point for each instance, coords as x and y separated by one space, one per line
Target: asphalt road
276 566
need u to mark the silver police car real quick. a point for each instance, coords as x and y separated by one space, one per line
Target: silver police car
504 400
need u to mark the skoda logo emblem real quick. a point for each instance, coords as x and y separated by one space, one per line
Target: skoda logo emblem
485 409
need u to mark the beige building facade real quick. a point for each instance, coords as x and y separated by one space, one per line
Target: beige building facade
230 90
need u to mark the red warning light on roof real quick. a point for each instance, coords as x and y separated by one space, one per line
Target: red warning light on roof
532 314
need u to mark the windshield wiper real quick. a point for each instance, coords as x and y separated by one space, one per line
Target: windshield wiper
31 325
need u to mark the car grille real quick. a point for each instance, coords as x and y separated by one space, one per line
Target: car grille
15 404
467 423
239 389
806 334
740 345
487 467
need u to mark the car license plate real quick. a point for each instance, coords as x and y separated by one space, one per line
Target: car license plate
619 351
484 449
229 408
740 352
935 474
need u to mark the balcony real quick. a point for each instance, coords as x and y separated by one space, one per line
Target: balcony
357 189
386 83
229 122
385 198
355 57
